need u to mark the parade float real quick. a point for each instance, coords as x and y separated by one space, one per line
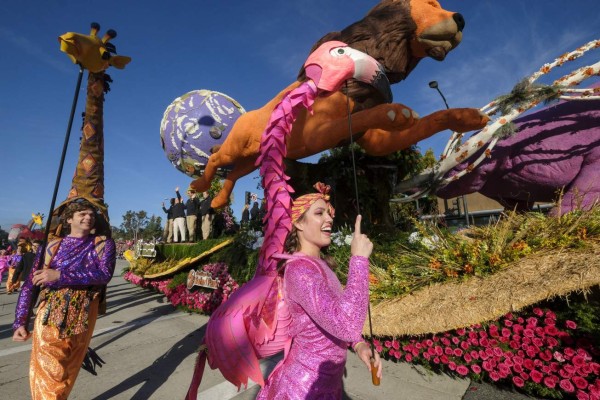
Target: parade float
514 303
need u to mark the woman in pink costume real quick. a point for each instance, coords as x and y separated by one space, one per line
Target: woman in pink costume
326 318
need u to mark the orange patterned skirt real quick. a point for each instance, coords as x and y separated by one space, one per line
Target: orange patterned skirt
55 362
10 287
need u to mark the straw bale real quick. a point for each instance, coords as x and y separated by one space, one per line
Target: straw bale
443 307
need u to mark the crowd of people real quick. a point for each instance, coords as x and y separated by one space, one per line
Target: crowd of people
189 221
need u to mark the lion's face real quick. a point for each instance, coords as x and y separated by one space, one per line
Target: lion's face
400 33
438 30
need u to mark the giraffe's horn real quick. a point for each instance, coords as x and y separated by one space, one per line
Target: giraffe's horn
110 34
95 29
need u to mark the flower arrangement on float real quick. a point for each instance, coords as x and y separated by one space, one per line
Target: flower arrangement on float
195 300
535 351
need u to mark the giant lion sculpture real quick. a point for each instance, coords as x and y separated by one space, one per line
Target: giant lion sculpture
398 34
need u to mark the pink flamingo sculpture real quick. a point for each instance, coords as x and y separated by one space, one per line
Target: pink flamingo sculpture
253 323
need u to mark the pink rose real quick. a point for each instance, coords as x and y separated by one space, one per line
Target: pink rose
452 365
518 368
474 354
455 340
476 368
570 324
460 331
558 356
494 376
462 370
536 376
580 382
538 311
569 353
448 351
528 333
438 350
578 360
565 373
467 357
518 381
549 321
458 352
532 321
464 345
436 360
409 357
444 359
550 314
546 355
388 343
566 385
395 344
508 323
551 342
550 381
582 395
487 366
506 332
528 363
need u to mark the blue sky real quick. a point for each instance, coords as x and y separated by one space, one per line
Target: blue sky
249 50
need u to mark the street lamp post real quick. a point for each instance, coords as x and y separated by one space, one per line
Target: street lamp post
434 85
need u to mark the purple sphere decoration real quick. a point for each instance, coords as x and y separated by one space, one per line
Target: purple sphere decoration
193 124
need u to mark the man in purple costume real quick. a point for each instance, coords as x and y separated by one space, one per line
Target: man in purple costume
325 317
75 270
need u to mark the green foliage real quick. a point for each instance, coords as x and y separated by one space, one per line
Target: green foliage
437 255
138 225
181 251
239 256
179 279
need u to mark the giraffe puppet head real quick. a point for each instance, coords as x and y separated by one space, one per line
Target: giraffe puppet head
93 53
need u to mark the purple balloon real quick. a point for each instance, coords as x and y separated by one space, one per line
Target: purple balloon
193 124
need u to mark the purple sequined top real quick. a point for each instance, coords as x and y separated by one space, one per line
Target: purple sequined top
79 265
326 318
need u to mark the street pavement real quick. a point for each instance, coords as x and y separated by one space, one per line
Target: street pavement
149 349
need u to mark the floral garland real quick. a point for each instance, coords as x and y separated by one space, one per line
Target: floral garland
533 351
204 302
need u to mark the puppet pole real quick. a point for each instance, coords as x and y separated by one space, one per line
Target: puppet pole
374 378
36 289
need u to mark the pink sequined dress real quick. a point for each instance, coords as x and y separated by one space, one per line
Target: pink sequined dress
326 319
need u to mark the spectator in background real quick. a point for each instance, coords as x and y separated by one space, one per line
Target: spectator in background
207 215
23 269
245 215
11 285
192 207
168 232
178 218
